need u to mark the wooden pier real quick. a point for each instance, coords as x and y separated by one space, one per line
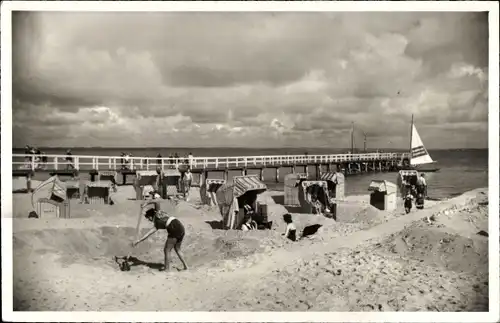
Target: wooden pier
349 164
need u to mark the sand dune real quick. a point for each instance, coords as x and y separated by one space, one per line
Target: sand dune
367 260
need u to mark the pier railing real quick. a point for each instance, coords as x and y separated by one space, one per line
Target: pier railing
81 162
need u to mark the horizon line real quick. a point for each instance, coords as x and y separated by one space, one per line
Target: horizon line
237 147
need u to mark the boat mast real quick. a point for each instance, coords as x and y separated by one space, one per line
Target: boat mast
352 138
411 135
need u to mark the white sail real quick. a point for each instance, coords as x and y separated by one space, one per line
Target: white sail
419 154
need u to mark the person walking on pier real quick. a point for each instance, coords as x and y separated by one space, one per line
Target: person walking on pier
162 221
69 160
190 158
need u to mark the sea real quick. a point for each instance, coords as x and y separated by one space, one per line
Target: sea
460 170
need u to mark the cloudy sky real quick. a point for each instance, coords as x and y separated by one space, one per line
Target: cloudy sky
249 79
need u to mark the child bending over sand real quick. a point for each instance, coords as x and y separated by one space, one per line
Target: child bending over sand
291 230
162 221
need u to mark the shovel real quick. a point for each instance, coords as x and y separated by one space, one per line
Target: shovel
123 262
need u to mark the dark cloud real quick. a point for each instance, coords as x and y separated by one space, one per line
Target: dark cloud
261 78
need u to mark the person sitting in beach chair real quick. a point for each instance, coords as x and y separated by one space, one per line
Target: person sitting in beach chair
162 221
249 224
317 206
291 230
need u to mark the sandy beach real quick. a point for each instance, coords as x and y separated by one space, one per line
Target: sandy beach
367 260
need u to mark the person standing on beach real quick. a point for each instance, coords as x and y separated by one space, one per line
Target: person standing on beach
162 221
188 179
422 185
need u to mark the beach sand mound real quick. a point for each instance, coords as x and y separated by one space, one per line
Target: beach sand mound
437 246
365 279
356 212
97 247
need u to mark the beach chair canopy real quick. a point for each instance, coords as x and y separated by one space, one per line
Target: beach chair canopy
382 187
171 176
293 180
409 172
291 188
333 177
208 190
406 177
98 189
310 188
145 177
322 184
232 196
171 172
244 184
212 185
108 175
52 189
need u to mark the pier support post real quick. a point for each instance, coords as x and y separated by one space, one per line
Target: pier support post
374 167
318 171
262 174
203 178
380 166
226 174
28 183
306 169
293 169
277 174
243 172
328 167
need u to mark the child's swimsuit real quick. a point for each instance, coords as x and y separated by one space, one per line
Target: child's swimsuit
173 226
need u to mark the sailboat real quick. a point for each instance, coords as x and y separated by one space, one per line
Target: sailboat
420 159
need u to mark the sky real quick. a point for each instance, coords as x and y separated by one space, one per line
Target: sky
258 79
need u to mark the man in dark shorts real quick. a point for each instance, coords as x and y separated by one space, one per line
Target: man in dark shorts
162 221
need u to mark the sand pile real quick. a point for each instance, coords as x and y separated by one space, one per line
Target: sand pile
434 246
362 279
97 247
357 212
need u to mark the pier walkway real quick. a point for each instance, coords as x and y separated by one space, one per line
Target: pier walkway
26 165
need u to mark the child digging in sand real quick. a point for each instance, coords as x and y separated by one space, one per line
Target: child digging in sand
162 221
